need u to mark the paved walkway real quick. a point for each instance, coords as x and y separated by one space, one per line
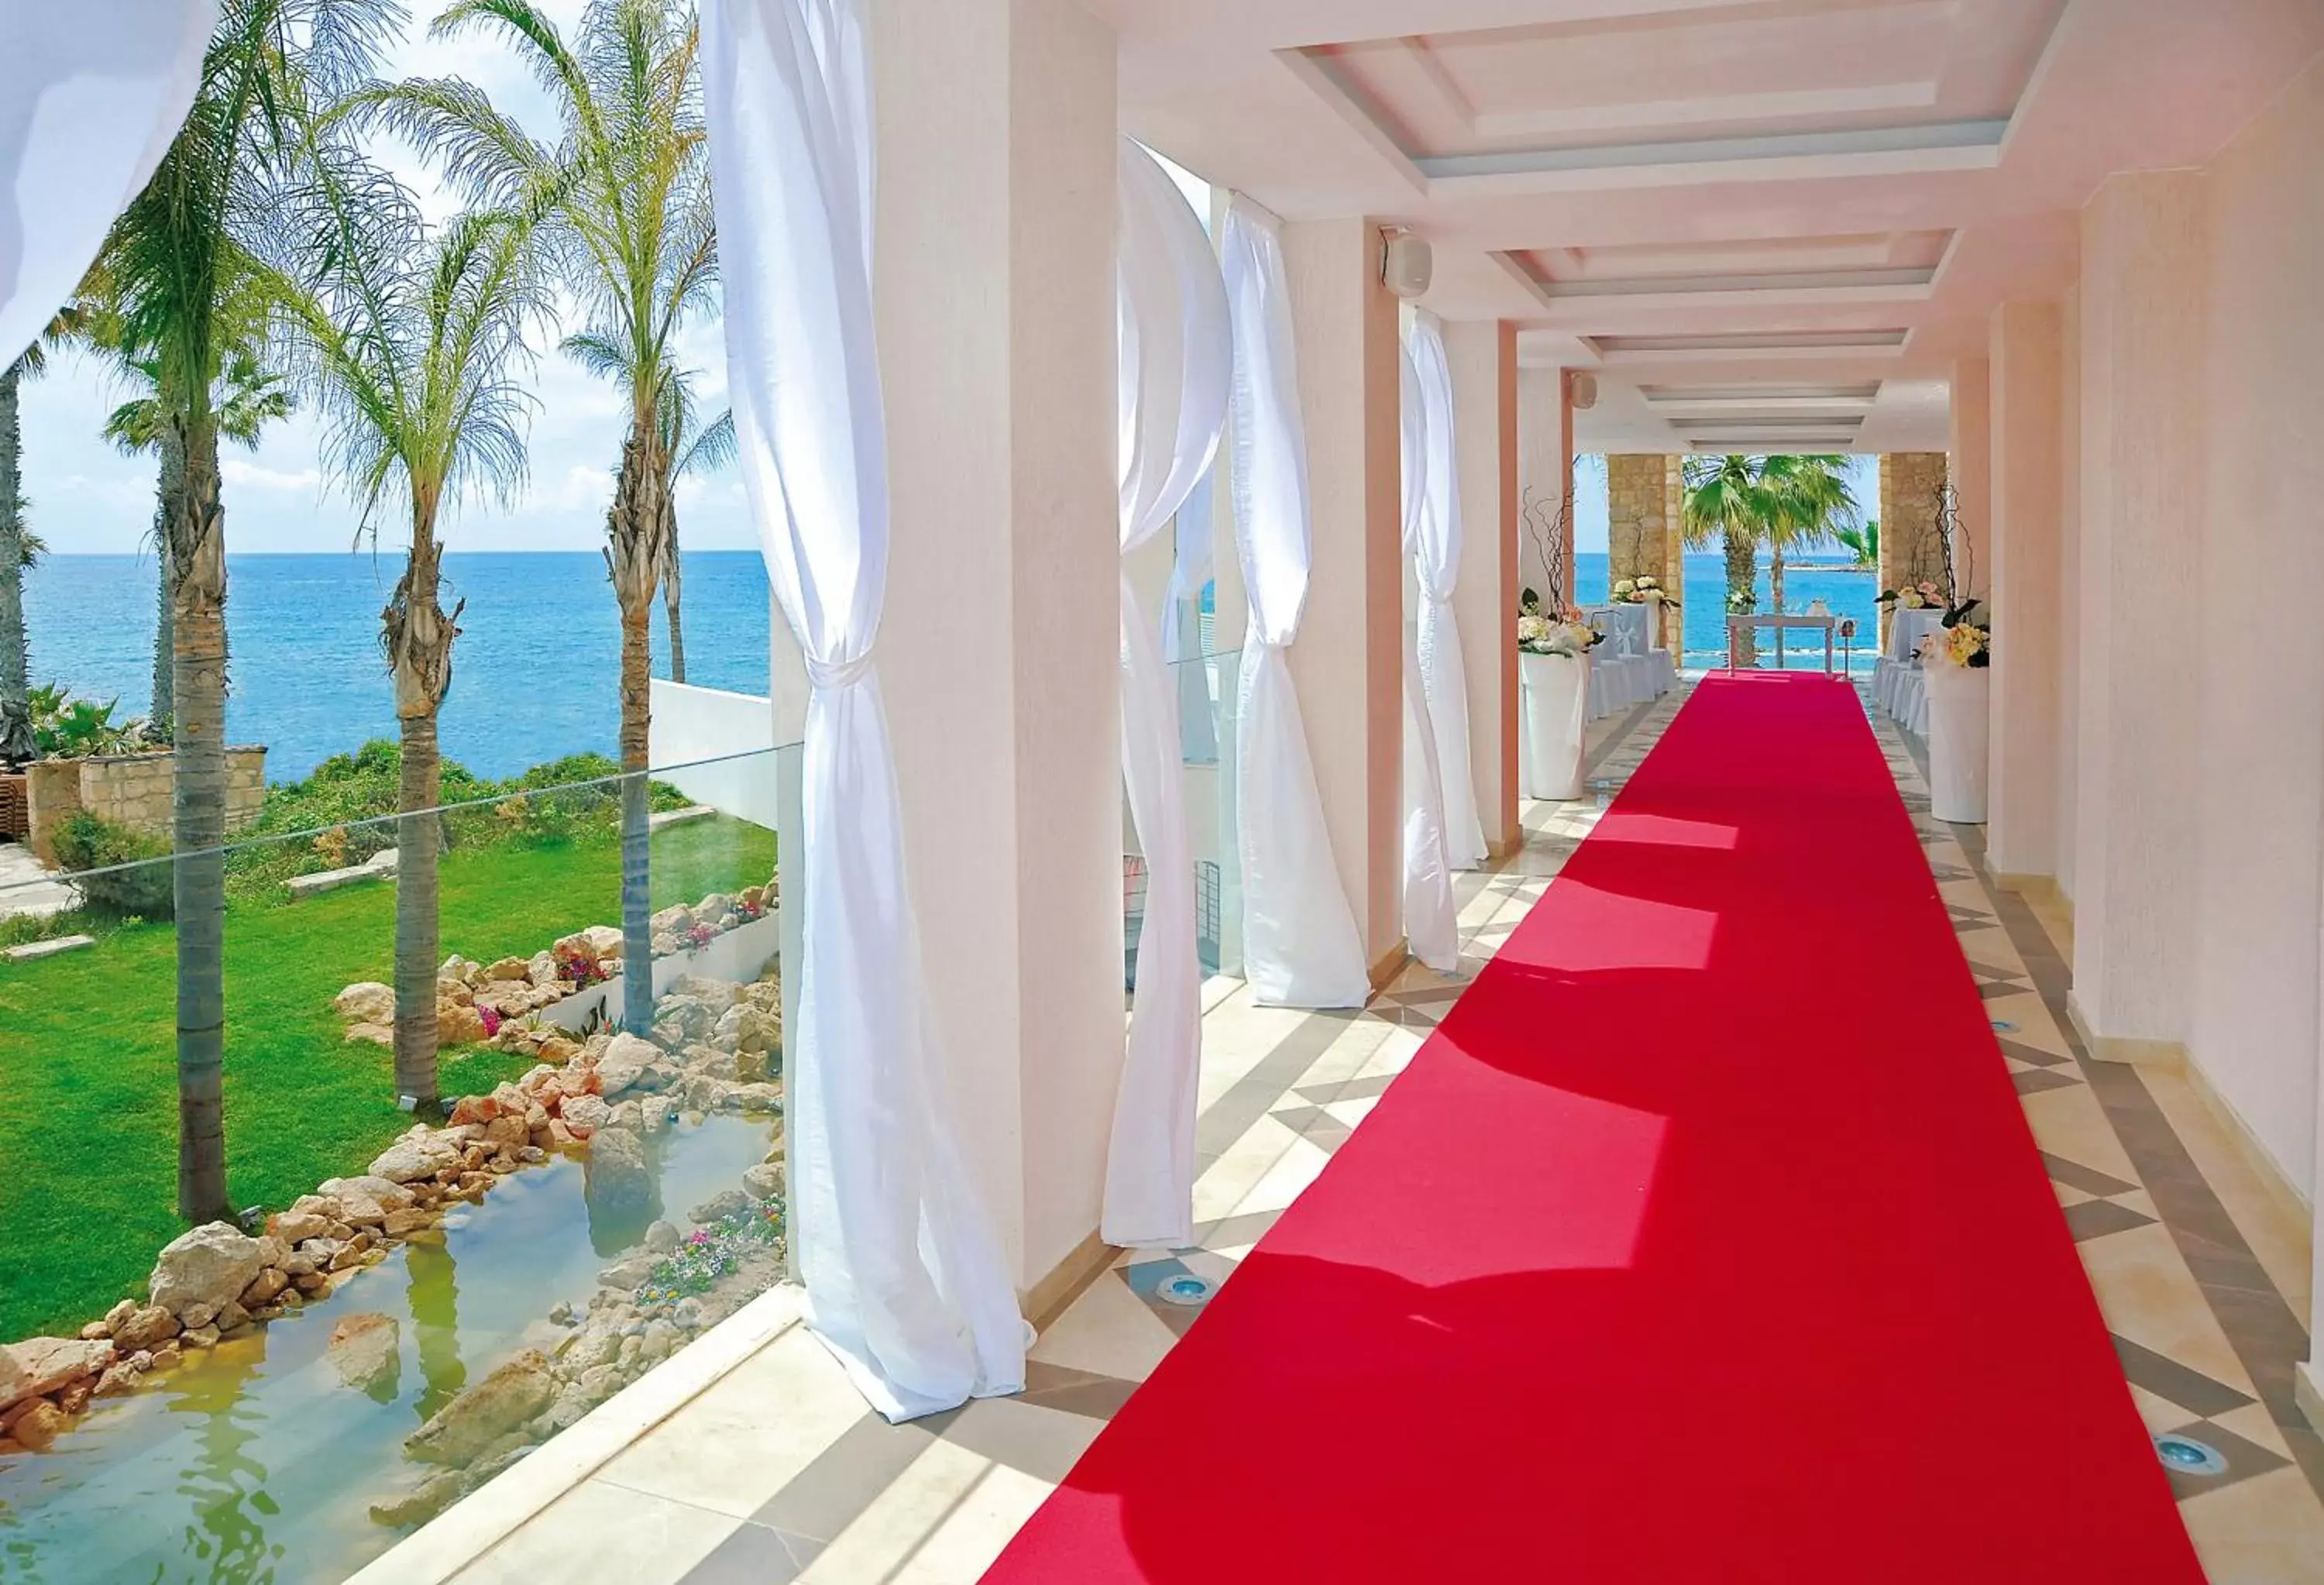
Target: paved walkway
26 887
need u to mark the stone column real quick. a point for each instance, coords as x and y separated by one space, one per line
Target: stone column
1911 545
998 654
1349 661
2142 491
1970 465
1484 360
1636 524
2021 837
1675 554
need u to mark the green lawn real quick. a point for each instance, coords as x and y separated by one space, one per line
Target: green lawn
88 1077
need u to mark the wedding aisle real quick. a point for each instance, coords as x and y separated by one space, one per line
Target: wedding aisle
1705 1240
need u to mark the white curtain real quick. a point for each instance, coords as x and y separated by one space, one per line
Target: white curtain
905 1280
1430 926
91 95
1300 943
1175 360
1435 552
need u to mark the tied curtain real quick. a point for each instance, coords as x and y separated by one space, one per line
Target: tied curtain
1175 360
91 96
1300 944
1430 926
905 1280
1435 543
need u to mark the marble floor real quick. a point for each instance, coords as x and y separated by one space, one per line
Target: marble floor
776 1472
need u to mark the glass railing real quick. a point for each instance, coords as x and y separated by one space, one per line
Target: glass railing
445 1251
1207 691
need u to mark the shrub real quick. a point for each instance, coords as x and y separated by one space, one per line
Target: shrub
86 842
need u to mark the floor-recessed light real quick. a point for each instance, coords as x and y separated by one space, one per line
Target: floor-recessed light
1186 1289
2189 1457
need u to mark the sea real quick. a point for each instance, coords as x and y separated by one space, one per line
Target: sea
536 667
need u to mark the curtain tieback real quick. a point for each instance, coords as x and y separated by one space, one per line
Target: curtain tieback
827 677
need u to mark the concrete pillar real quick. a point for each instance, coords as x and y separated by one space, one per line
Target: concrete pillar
1969 465
1348 660
2070 580
2027 413
2143 495
1565 473
1484 360
998 653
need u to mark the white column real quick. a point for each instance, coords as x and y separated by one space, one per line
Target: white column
1484 360
2021 839
1968 463
2070 583
1349 661
999 651
2143 495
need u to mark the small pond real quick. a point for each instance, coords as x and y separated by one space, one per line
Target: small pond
257 1464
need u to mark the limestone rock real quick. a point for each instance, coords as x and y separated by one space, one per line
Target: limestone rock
208 1265
366 1002
376 1034
755 1098
598 941
263 1289
367 1352
415 1156
719 1207
146 1328
625 1063
458 1025
763 1182
510 968
40 1365
585 1114
431 1498
504 1400
619 1182
38 1427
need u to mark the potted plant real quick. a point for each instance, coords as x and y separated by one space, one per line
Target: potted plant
1956 663
1553 645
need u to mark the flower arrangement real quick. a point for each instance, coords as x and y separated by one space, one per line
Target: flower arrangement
1742 601
700 935
1924 595
490 1017
1638 591
1963 643
1553 629
709 1254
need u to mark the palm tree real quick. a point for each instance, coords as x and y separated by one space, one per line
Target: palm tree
19 547
409 338
1808 498
247 396
1863 543
1726 502
696 450
625 196
169 259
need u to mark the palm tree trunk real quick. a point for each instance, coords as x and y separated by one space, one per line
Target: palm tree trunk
196 550
635 554
417 634
171 486
1742 579
669 574
1776 590
15 654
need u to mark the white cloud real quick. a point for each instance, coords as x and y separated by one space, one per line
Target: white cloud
251 475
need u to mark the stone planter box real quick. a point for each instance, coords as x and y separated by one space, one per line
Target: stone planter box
737 956
133 790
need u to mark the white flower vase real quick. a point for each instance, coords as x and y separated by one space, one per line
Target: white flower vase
1959 706
1554 724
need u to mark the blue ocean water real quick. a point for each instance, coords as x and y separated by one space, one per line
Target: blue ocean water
535 669
1844 592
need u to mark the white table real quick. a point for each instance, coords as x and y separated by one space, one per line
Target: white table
1901 654
1740 622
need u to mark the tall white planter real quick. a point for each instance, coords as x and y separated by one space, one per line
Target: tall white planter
1959 706
1555 691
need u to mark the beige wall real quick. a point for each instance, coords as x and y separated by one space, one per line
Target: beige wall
998 653
1484 363
1347 662
2258 761
2143 466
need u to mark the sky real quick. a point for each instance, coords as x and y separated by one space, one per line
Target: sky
1590 509
88 498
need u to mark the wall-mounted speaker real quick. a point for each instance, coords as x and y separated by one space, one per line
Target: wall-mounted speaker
1407 264
1585 390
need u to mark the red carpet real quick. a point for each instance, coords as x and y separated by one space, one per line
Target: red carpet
1705 1241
